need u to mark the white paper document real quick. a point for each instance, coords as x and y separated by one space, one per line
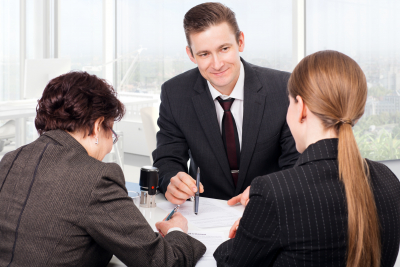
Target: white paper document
211 240
211 214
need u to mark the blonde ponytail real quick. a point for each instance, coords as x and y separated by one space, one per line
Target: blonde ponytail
363 246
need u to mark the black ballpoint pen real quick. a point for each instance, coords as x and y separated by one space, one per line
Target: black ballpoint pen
197 195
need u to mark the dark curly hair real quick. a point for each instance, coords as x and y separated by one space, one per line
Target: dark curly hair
74 101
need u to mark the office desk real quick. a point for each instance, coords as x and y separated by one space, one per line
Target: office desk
157 214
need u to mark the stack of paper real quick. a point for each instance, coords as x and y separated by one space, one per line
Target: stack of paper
211 240
211 214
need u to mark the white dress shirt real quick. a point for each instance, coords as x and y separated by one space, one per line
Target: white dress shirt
237 106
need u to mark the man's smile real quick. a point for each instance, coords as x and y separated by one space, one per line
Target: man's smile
219 73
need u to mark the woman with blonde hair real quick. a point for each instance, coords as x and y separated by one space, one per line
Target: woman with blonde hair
333 208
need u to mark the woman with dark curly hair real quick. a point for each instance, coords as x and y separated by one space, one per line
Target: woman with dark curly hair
61 206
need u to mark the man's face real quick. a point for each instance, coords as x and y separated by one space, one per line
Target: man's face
216 53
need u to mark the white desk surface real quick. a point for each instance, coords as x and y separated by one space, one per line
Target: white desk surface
157 214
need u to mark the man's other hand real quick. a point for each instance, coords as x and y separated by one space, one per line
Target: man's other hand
243 198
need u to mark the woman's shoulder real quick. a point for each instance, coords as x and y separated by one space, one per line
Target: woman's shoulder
293 175
106 171
112 170
382 174
299 181
378 165
72 156
9 157
274 181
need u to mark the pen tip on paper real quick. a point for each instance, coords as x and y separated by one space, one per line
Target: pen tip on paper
195 213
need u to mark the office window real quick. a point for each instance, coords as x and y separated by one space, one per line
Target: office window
367 31
151 41
9 50
80 33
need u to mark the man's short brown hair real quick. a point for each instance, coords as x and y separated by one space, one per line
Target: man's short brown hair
203 16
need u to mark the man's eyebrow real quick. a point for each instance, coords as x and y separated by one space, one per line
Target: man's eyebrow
221 46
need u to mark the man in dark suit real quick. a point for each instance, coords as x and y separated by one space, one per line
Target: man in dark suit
228 116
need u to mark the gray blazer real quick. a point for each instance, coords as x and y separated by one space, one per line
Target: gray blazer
61 207
189 128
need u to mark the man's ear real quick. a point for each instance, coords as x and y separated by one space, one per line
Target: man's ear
241 42
189 53
301 108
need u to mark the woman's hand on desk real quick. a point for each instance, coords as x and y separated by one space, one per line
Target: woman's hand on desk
243 198
177 220
235 226
181 187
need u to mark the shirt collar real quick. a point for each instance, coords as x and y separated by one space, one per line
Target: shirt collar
238 90
323 149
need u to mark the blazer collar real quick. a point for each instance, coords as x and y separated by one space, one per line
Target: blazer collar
205 110
65 139
251 81
253 112
323 149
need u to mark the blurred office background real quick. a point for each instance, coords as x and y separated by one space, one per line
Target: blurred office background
139 44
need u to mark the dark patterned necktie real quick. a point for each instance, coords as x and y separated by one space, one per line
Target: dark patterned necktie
230 138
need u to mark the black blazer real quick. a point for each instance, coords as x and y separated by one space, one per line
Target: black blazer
189 128
61 207
298 217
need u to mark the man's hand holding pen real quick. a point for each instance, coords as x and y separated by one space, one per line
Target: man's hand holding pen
181 187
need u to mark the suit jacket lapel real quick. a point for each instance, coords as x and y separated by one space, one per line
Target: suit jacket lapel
205 110
253 111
